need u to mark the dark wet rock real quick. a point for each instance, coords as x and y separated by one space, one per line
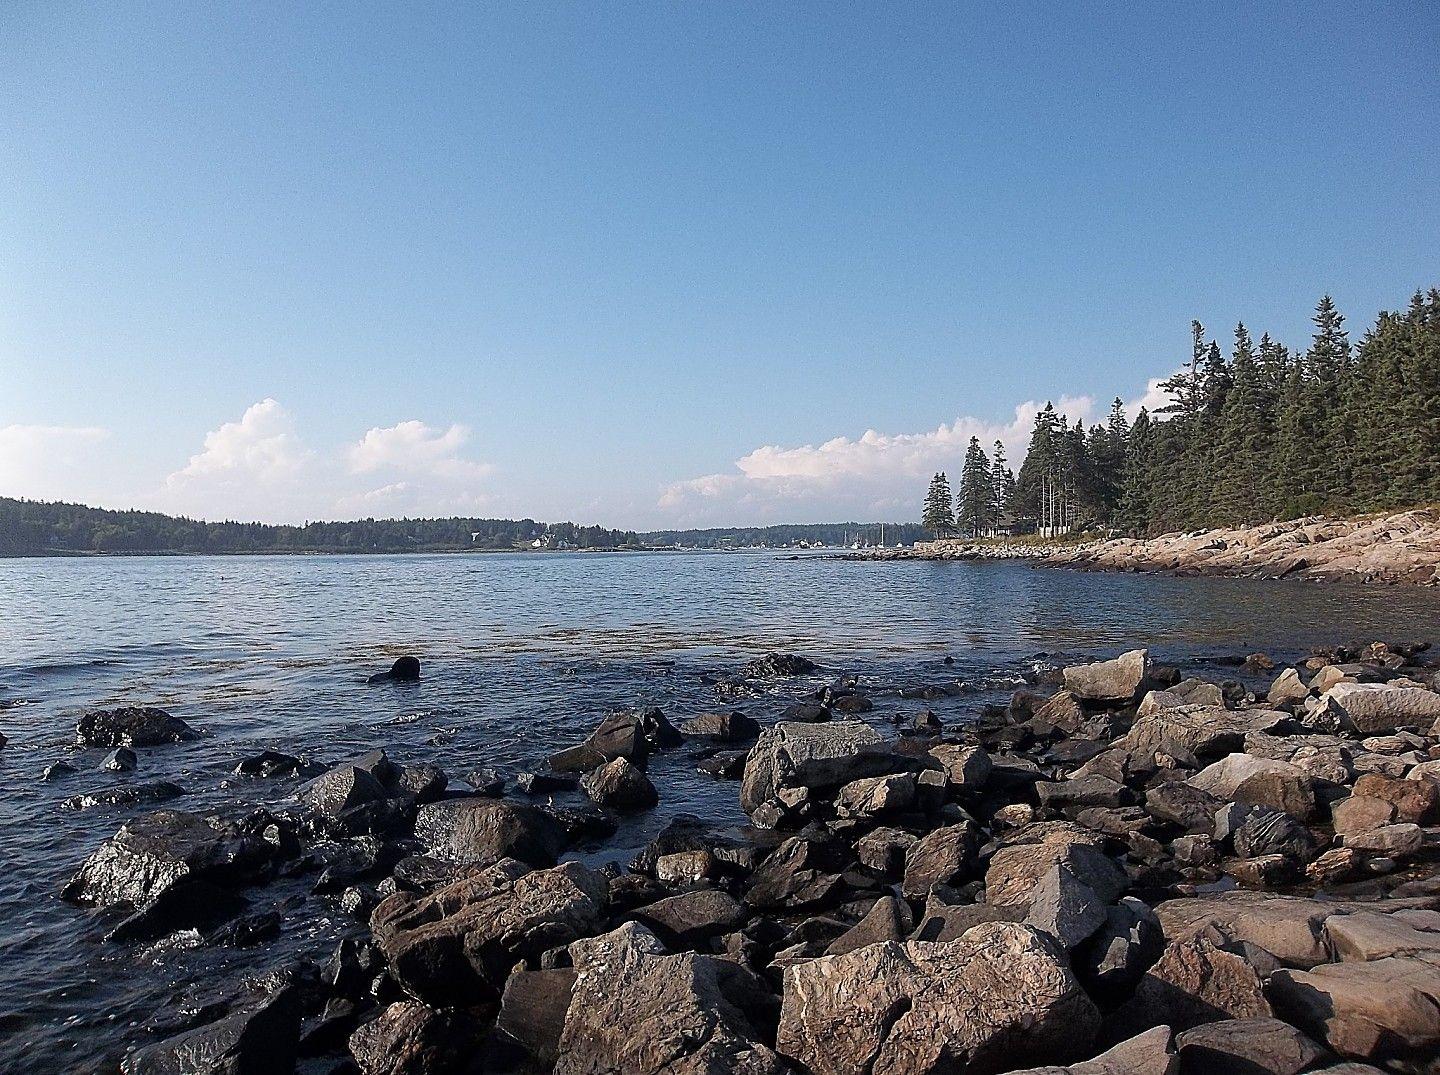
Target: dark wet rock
484 831
620 786
487 783
800 873
423 783
850 702
724 764
191 904
132 726
806 713
341 789
1065 907
411 1039
57 771
120 760
268 763
791 755
1000 996
944 856
1194 982
1247 1047
1017 867
545 783
633 736
157 851
687 919
637 1010
532 1011
1117 680
1125 946
421 873
351 968
457 944
733 727
145 793
584 822
258 1037
779 664
405 670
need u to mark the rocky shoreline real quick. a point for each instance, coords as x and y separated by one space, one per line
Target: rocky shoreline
1120 871
1396 548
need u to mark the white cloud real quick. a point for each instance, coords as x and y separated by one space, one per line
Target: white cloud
259 467
44 462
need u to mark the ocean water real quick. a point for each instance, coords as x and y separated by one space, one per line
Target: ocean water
522 654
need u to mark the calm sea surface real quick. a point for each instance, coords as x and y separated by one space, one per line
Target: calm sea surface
522 654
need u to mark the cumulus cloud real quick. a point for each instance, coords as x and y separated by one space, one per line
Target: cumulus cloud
872 476
44 462
259 467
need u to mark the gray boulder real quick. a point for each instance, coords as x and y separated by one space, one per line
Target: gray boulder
620 785
484 831
796 755
1118 680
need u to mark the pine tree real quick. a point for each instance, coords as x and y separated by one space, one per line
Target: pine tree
1133 511
939 514
975 491
998 474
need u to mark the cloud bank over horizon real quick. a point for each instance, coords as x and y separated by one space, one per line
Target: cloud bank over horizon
261 467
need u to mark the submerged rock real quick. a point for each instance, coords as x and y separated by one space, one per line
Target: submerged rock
142 794
779 664
259 1037
132 726
405 670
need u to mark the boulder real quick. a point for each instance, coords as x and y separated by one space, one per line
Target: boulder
619 785
968 767
1274 832
944 856
633 736
727 727
407 1038
1181 803
484 831
1396 841
1260 782
1125 946
883 850
1002 994
1247 1047
1079 792
341 789
1205 731
457 944
637 1010
877 796
801 873
132 726
1287 689
1065 907
258 1037
1193 982
157 852
692 917
120 760
779 664
1386 1011
1016 868
1117 680
1367 935
532 1011
887 920
1371 708
790 755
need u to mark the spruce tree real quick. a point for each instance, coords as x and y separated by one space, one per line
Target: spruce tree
939 514
997 484
975 491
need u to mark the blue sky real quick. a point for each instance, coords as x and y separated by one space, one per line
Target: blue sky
665 263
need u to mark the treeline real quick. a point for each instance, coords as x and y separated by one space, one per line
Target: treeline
788 535
1258 434
30 528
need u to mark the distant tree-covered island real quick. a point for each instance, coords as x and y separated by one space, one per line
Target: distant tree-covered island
1259 435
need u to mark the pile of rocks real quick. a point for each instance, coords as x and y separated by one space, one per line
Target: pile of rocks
1403 547
1139 873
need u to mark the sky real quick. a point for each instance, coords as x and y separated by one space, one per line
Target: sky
668 264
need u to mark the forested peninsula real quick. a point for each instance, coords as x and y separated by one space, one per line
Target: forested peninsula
1264 433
